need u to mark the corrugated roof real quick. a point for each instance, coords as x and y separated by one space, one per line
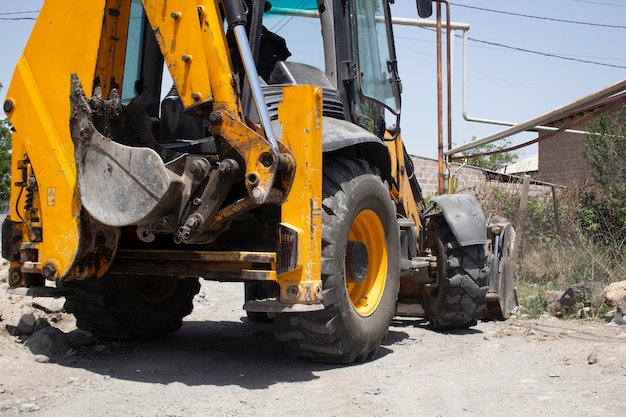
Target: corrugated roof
530 164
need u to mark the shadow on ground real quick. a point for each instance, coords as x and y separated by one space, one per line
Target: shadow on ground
217 353
221 353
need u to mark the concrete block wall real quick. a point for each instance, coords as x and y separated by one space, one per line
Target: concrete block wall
426 173
471 180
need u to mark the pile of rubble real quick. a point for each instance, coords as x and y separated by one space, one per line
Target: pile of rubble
568 302
44 340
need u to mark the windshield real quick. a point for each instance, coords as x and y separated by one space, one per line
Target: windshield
373 53
298 23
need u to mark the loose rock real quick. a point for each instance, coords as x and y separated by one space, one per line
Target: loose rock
553 304
614 294
28 407
618 318
574 294
26 325
78 338
49 341
592 358
586 312
559 303
42 359
40 323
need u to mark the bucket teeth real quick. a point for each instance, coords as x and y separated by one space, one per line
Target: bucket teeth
119 185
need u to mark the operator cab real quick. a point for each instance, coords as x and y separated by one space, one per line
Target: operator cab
344 47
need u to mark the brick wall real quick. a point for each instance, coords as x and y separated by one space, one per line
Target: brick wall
561 159
471 180
426 171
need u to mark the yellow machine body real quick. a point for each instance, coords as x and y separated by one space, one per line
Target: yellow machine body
252 168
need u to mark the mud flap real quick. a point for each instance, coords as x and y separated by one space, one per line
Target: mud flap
465 218
119 185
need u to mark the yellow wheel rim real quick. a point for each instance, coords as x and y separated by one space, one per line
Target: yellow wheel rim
365 296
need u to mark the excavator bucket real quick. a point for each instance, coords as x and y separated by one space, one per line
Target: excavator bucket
119 185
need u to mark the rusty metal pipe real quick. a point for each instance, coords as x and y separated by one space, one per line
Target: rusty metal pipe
440 154
544 118
448 72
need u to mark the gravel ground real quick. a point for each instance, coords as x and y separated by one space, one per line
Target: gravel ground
219 364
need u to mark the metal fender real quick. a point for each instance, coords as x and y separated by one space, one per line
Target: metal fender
465 218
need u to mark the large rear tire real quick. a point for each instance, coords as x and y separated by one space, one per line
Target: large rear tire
125 307
360 269
457 297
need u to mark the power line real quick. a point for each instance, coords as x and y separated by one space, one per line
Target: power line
530 51
490 76
497 47
18 13
539 17
545 53
12 13
600 3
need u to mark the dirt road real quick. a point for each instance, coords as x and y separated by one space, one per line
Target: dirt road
219 364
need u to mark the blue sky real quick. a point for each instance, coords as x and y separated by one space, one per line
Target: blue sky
503 84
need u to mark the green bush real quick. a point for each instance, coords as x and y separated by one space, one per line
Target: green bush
603 211
553 258
489 156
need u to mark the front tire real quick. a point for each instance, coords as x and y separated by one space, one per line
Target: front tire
358 221
457 298
126 307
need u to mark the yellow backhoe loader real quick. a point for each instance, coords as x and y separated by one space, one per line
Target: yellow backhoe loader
157 142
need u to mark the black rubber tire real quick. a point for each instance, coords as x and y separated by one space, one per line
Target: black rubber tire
457 298
340 333
121 307
256 290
